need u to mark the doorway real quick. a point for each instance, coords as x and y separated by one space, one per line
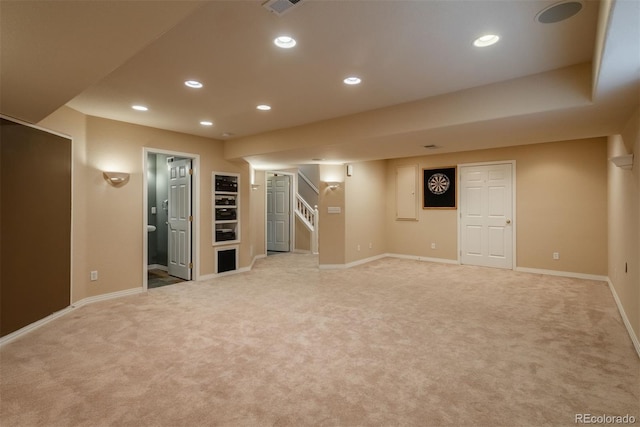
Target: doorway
168 213
278 204
487 215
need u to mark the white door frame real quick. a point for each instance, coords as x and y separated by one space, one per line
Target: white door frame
195 210
293 190
513 205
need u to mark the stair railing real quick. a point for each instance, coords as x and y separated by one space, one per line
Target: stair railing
309 217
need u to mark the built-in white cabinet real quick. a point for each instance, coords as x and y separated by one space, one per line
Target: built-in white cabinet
407 192
226 208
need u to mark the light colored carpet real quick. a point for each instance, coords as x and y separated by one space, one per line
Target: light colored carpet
390 343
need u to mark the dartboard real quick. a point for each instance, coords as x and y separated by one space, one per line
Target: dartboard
438 183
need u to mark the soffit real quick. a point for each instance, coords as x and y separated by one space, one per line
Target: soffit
50 51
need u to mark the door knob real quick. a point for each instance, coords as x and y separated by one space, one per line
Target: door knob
508 221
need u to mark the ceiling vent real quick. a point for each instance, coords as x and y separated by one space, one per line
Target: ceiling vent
280 7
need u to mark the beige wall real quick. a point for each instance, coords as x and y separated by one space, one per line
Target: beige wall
108 227
624 222
345 237
257 215
561 206
303 236
365 211
331 229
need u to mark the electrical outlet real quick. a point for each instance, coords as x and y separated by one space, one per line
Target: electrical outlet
556 255
433 246
94 276
370 245
358 248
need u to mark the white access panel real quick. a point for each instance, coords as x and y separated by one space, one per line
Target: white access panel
406 192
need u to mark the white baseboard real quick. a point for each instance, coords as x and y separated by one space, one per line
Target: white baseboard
350 264
563 274
332 266
206 277
386 255
157 267
426 259
104 297
257 257
35 325
625 319
229 273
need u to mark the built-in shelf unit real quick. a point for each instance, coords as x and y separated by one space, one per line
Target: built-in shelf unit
226 208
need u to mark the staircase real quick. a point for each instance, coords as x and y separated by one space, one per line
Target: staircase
308 215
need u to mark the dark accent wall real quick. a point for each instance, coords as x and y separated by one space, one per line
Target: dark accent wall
35 225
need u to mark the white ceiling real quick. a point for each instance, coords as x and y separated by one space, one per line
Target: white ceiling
100 57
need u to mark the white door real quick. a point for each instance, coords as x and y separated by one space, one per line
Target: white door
486 212
179 256
278 213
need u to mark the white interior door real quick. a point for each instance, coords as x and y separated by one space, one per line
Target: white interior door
486 212
278 213
180 219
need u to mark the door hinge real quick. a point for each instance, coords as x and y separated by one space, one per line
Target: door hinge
191 265
190 171
190 218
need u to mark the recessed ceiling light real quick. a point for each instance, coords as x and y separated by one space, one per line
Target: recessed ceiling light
206 123
285 42
352 80
486 40
264 107
139 108
193 83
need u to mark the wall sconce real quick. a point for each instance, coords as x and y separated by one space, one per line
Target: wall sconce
116 178
623 162
333 185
